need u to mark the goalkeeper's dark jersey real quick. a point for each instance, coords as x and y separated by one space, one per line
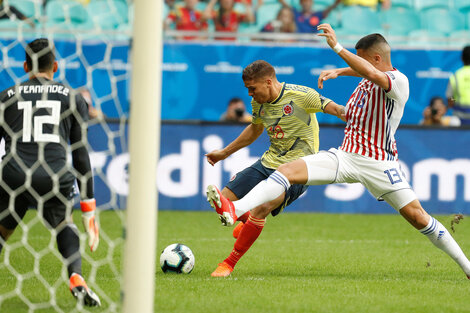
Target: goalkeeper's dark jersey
39 118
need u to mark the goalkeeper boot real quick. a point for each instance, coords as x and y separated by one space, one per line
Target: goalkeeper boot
222 270
223 206
237 230
80 290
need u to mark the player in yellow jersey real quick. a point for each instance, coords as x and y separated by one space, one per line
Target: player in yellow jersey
287 112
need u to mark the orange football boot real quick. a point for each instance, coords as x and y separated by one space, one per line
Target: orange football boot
222 270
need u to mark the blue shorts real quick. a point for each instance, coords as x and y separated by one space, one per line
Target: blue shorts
247 179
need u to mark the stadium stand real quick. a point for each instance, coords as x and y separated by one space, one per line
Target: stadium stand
444 20
423 5
462 5
409 4
449 17
359 20
29 8
399 21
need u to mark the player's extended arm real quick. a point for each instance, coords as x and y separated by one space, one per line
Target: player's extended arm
334 73
207 14
358 64
81 163
248 136
284 3
249 15
336 110
327 11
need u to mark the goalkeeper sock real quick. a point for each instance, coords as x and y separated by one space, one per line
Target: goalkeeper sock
442 239
265 191
68 244
247 237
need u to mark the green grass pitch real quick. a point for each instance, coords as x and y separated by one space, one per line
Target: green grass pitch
300 263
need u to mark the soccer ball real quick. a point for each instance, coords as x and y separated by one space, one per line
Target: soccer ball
177 258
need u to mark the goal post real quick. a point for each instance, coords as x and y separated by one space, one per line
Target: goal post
144 137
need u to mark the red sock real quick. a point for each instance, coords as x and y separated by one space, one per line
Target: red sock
244 217
247 237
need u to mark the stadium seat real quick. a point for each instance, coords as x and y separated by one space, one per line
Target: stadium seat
65 11
29 8
442 20
399 21
423 5
459 38
165 12
321 4
402 4
107 15
14 25
462 5
201 5
426 38
334 19
359 20
245 28
266 13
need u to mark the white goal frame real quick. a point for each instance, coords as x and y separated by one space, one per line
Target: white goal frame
144 143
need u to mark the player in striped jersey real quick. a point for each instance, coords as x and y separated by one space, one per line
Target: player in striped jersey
368 154
287 112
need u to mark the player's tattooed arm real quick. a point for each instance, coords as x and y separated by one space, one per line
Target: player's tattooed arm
334 73
336 110
363 67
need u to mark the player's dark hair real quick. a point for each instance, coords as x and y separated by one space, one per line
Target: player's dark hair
234 100
369 41
258 69
434 100
466 55
41 50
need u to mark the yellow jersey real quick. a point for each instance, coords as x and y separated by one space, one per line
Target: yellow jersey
291 123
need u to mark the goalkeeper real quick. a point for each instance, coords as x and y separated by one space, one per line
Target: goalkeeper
39 118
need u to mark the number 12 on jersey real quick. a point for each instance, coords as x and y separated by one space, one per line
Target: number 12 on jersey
39 121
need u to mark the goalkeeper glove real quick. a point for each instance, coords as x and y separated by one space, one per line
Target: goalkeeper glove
91 225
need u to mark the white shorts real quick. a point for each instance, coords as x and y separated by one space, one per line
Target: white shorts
383 179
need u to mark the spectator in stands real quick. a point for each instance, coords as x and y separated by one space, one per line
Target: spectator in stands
226 19
458 89
373 4
307 20
434 114
10 12
284 22
187 18
236 112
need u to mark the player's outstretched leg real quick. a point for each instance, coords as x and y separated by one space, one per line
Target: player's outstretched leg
80 290
237 230
436 233
223 206
242 220
248 235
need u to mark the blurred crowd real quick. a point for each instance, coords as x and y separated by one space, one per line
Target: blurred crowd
229 15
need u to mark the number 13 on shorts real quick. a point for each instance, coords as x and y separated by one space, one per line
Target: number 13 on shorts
394 176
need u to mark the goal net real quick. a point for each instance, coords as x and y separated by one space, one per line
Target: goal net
92 41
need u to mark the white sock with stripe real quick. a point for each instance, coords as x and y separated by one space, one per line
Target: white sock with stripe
442 239
265 191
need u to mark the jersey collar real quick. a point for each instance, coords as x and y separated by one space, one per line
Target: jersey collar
280 94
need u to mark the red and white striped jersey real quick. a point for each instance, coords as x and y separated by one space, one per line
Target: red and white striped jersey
373 116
